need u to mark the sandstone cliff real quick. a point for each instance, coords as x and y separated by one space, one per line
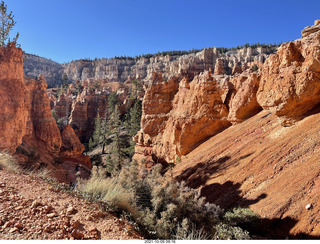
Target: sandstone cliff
35 66
170 66
180 114
213 128
80 109
13 114
27 124
290 78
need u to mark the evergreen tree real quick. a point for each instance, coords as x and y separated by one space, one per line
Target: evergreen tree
96 137
64 79
112 102
135 117
6 25
119 142
137 87
90 145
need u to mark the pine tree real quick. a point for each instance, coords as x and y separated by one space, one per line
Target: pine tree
119 139
135 117
96 137
137 87
90 145
112 102
6 25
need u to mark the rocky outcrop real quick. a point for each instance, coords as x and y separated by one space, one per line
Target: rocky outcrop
42 131
178 116
13 112
63 106
27 125
243 103
289 82
258 163
35 66
311 29
71 144
81 110
84 111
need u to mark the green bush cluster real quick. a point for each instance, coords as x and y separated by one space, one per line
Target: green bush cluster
163 208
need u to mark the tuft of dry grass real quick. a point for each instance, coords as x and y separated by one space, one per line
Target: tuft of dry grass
42 174
8 162
108 190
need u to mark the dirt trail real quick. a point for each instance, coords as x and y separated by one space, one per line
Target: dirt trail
32 209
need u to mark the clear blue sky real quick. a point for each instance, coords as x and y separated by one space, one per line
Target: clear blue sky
65 30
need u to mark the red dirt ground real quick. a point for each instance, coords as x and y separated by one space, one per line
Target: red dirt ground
273 170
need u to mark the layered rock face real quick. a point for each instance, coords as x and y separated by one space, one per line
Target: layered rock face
42 131
259 161
290 78
178 115
35 66
81 110
170 66
27 123
13 112
84 111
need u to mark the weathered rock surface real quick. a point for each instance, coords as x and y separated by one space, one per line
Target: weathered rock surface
81 110
311 29
84 111
178 116
13 112
42 131
290 79
170 66
35 66
243 104
259 164
63 106
71 144
28 125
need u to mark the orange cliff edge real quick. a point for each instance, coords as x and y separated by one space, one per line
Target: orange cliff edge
27 126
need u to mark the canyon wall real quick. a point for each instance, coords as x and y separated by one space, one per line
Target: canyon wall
35 66
28 128
179 114
248 139
170 65
81 108
13 112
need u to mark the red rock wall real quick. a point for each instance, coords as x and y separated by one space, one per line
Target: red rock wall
26 119
13 112
290 79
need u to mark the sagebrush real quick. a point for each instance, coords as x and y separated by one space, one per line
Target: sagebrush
163 208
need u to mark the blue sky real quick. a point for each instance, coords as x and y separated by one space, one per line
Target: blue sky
65 30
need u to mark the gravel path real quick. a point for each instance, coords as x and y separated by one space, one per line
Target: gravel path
30 208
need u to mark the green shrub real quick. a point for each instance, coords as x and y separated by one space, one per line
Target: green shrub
163 208
240 216
227 232
166 204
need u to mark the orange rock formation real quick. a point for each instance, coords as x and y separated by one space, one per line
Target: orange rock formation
26 120
256 162
13 112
